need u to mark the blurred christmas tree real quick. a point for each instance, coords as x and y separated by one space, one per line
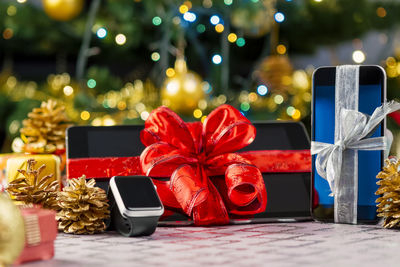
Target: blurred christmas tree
113 61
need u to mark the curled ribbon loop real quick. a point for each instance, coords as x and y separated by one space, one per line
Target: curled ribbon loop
188 153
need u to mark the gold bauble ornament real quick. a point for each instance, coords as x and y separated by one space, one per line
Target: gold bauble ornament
12 231
276 72
254 19
183 89
63 10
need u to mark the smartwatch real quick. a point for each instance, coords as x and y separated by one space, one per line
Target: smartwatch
135 205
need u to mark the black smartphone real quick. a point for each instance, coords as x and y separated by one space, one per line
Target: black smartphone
372 93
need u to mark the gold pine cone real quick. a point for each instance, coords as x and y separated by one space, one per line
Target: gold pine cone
32 190
44 129
389 187
84 207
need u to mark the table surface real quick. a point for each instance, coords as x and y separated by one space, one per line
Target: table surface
272 244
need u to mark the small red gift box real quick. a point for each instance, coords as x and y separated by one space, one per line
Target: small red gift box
40 233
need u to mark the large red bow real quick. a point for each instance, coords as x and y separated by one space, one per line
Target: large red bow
190 153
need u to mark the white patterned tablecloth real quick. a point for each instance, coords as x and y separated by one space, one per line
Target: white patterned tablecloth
272 244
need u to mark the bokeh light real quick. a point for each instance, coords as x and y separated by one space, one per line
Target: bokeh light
217 59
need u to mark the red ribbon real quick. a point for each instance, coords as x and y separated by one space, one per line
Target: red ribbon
188 152
267 161
208 180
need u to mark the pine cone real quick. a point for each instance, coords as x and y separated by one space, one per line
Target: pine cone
44 130
32 190
389 202
84 207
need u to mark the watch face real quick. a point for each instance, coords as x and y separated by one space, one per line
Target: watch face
137 192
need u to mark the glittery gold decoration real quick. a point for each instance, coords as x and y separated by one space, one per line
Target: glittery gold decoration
84 207
276 72
44 130
12 231
389 188
32 189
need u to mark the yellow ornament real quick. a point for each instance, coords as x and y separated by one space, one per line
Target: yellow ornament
62 10
12 231
183 89
276 72
254 19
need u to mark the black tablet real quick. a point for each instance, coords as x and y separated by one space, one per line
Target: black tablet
288 193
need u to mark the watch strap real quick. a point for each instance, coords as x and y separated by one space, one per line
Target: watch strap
133 226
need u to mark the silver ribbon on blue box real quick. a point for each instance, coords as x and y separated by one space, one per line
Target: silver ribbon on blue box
338 162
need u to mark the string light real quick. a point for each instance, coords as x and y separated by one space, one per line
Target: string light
279 17
170 72
281 49
121 105
155 56
85 115
144 115
91 83
278 99
206 87
203 119
189 16
232 37
156 21
290 110
173 87
253 97
183 9
219 28
197 113
240 42
120 39
296 114
176 20
381 12
202 104
11 10
358 56
217 59
101 33
188 4
8 33
68 90
21 1
245 106
391 62
207 3
228 2
262 90
214 20
221 99
108 121
201 28
97 122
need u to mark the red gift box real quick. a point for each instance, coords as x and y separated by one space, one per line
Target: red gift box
206 178
40 233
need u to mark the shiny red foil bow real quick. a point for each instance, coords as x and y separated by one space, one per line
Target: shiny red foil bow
194 156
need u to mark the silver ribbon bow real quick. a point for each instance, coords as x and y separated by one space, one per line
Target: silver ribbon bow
338 162
355 127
